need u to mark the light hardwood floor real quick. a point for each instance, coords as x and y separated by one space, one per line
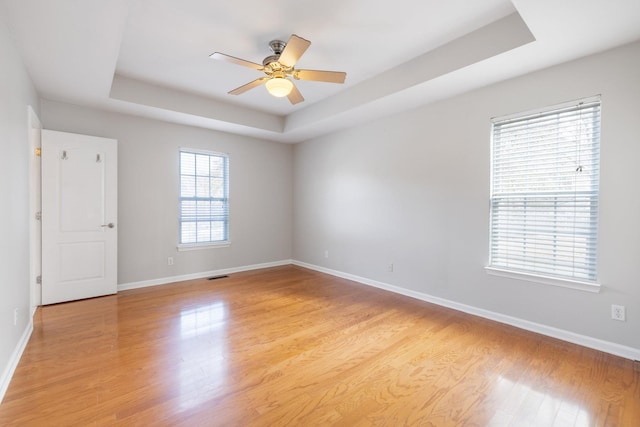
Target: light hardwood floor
292 347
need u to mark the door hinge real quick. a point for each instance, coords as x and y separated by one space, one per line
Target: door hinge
39 280
38 151
38 216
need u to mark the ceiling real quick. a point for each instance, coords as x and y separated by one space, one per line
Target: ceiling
151 57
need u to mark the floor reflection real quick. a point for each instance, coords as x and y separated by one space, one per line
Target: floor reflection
203 348
202 320
521 402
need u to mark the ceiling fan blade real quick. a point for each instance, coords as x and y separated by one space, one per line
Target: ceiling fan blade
222 57
294 49
320 76
295 96
250 85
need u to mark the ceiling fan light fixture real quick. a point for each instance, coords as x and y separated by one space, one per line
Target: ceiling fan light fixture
279 86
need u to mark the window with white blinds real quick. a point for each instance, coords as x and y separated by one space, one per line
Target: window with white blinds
544 192
204 197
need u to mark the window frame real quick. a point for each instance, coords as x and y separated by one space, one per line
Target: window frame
188 246
584 284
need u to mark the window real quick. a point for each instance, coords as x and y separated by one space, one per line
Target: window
204 198
544 192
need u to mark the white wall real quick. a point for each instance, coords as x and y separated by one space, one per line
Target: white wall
413 190
260 193
16 93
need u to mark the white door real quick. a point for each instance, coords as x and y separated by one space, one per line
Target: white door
79 208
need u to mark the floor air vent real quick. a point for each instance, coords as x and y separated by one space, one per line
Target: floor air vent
224 276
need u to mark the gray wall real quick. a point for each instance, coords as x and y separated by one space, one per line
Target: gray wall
413 190
260 193
16 93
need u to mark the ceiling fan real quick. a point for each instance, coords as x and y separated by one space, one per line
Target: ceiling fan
279 67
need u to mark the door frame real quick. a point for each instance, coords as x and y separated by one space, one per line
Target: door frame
35 205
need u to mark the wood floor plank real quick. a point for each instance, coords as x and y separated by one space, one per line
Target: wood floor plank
289 346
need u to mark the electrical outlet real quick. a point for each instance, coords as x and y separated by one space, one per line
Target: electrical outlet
326 253
390 268
618 312
170 260
15 317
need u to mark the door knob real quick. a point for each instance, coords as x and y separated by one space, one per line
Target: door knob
110 225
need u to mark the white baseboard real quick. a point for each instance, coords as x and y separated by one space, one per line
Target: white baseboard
165 280
583 340
14 359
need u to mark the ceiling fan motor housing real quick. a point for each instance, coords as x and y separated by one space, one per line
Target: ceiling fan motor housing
272 66
270 59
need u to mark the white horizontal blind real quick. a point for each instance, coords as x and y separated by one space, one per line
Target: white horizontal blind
544 194
204 197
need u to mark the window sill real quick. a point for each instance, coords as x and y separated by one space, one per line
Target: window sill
546 280
201 246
